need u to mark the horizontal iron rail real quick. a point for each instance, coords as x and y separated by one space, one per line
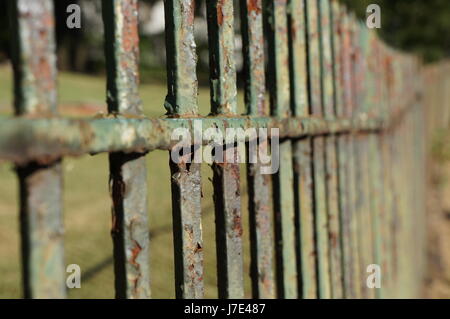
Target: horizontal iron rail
26 139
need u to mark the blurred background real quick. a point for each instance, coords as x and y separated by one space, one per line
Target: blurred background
417 26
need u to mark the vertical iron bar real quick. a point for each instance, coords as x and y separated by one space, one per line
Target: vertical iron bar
276 25
387 176
41 221
331 163
318 145
261 236
374 150
342 73
365 101
364 227
349 79
226 178
181 100
302 152
128 175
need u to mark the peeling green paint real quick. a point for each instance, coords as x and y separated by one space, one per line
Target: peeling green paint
41 220
128 185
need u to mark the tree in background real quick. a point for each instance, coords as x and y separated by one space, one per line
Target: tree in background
418 26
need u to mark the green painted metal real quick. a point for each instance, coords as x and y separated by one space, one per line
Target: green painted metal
349 191
40 186
363 87
318 148
74 137
283 180
182 81
128 182
358 272
226 178
302 153
221 57
341 71
261 230
331 160
375 173
181 100
253 52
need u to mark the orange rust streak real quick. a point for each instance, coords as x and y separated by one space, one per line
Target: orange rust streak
254 6
220 4
135 253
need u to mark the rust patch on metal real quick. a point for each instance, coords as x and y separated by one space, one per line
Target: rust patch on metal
220 15
254 6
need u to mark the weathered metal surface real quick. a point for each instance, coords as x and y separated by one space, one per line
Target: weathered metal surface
326 59
73 137
341 57
304 200
355 282
128 182
221 56
261 234
181 101
373 140
226 178
278 67
261 231
321 218
41 221
303 184
386 261
349 191
181 58
358 68
363 213
253 52
349 66
314 74
362 86
276 26
318 144
285 224
188 244
331 169
228 230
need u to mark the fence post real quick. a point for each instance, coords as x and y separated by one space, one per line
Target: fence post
128 173
331 163
41 220
261 234
283 180
226 177
303 174
181 100
318 149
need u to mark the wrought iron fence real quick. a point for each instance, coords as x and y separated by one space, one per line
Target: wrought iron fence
350 188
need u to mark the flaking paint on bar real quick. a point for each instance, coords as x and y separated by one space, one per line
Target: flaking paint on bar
41 220
128 183
259 186
181 101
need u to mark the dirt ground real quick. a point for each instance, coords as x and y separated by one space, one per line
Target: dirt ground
438 279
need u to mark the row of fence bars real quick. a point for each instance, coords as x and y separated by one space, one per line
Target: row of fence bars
345 196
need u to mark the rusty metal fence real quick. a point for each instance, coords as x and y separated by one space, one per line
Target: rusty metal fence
350 189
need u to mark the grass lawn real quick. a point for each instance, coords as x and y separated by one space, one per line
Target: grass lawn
87 204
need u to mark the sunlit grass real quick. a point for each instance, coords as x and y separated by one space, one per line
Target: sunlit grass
87 213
